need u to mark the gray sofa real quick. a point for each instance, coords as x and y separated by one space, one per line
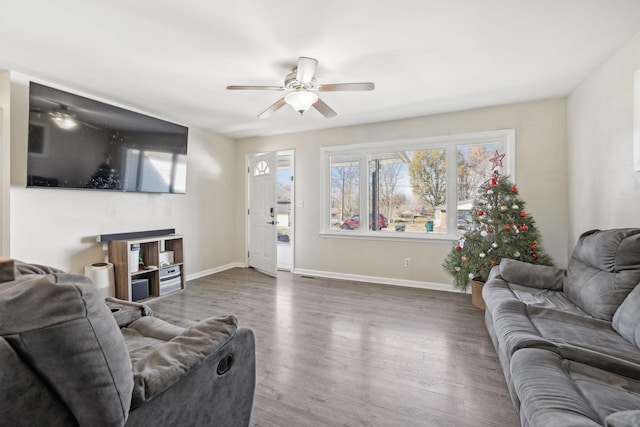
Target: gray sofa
67 358
568 340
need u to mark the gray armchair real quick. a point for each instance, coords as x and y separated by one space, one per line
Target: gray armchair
66 360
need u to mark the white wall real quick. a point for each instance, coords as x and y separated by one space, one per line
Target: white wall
604 190
57 227
540 175
5 163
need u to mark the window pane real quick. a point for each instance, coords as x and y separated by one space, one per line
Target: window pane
428 178
388 186
405 187
345 191
283 199
474 168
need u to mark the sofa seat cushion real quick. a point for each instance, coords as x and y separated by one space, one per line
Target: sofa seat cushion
162 353
555 391
582 338
603 269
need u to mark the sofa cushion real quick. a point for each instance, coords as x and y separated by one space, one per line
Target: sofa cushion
581 338
156 328
23 268
20 387
498 291
626 320
59 325
555 391
629 418
604 268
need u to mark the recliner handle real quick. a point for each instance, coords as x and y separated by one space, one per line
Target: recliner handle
225 364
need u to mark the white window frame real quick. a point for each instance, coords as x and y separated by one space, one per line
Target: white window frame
506 137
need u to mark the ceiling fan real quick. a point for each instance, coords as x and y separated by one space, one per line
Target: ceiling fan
301 85
62 115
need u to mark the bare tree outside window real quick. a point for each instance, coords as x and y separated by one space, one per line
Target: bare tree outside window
345 188
390 174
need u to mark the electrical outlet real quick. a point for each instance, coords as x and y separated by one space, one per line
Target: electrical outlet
407 262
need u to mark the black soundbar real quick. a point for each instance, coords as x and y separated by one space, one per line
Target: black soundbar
135 235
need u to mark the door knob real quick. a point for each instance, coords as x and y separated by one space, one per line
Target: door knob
272 222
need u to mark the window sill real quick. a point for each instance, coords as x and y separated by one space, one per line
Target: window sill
437 238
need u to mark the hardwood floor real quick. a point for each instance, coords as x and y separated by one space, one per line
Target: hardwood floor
340 353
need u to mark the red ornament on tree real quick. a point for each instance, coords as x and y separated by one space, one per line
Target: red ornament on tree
535 255
523 214
458 248
534 246
514 189
524 227
480 213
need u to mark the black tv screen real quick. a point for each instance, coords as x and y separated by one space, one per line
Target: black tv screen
76 142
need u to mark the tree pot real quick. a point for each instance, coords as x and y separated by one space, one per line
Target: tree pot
476 294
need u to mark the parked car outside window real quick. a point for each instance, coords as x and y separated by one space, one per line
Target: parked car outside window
354 222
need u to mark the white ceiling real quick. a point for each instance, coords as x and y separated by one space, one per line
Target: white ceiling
174 59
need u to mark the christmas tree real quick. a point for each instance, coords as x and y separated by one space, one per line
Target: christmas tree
500 228
106 177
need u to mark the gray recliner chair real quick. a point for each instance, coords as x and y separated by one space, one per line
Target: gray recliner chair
65 361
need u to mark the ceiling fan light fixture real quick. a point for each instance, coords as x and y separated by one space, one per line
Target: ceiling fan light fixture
64 121
301 100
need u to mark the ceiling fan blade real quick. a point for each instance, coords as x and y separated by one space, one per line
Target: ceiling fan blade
306 69
272 109
255 88
324 109
336 87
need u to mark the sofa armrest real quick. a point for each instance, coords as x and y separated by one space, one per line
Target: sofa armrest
532 275
126 312
167 363
623 419
206 395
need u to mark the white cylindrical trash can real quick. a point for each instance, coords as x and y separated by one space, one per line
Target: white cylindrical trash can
103 276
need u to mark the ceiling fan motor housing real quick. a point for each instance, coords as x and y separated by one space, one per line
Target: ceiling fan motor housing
291 82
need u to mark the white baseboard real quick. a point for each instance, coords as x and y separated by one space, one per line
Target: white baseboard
379 280
214 270
341 276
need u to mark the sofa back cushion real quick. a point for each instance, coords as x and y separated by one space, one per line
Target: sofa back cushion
59 325
26 399
604 268
626 320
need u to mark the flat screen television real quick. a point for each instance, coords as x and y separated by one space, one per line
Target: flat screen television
80 143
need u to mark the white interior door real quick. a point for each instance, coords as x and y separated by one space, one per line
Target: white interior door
262 213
